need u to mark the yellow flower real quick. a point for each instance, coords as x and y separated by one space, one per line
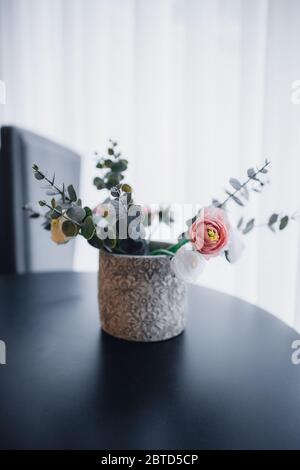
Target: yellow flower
57 234
213 234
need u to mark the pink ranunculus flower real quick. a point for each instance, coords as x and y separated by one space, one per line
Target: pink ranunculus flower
210 232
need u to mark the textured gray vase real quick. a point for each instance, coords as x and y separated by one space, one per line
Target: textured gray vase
140 298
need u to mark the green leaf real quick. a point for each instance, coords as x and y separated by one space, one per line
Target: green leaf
126 188
245 193
119 166
240 223
283 222
79 202
237 200
249 226
88 211
108 163
96 242
251 172
216 203
88 228
69 229
42 203
35 167
110 151
39 175
54 215
99 183
46 225
272 220
72 193
76 213
112 180
235 183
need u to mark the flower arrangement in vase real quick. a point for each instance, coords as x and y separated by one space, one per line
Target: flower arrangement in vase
142 292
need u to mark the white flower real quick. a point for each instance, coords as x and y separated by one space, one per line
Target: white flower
188 264
235 246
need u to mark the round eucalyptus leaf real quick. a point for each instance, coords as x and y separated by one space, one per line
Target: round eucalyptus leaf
283 222
235 183
54 215
99 183
273 219
38 175
126 188
108 163
88 228
69 229
251 172
76 213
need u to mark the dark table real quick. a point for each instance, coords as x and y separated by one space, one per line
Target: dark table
227 382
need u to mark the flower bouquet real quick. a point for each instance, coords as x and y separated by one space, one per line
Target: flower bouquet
142 284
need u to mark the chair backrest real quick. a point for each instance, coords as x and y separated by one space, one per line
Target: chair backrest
24 245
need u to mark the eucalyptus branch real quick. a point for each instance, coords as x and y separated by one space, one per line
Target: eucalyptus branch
170 250
162 251
60 213
41 176
252 177
276 221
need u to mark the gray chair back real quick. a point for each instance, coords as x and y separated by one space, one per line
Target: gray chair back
24 245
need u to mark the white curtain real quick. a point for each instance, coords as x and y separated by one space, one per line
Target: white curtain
195 91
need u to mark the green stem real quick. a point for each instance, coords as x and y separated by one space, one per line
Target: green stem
175 248
171 250
161 251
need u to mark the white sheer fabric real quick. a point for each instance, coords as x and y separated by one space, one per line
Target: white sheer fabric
195 91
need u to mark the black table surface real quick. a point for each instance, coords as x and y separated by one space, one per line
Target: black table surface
226 383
